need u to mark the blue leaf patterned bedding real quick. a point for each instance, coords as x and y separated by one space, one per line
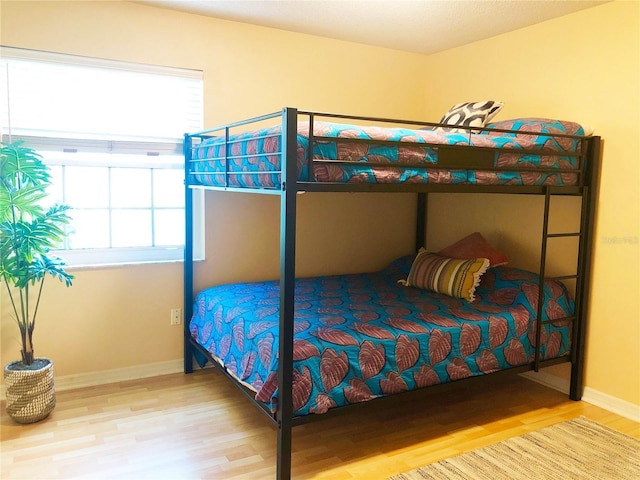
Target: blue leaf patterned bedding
253 158
362 336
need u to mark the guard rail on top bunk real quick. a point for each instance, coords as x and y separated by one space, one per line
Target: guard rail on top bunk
449 156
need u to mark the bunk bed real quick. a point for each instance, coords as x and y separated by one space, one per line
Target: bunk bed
303 349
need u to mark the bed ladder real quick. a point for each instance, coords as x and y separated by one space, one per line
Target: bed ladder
580 277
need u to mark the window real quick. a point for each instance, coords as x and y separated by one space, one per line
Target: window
112 134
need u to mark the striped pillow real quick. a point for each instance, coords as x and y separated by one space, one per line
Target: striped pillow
449 276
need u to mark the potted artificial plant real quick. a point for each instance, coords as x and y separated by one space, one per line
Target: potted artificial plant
28 231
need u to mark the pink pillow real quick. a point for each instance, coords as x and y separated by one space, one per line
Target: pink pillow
475 246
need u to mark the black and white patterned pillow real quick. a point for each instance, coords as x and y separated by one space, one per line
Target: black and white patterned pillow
470 114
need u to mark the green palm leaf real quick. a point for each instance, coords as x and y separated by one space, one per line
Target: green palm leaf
28 232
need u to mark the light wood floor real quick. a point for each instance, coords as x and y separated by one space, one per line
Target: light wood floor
199 427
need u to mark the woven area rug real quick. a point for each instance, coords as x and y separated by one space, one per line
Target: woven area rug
578 449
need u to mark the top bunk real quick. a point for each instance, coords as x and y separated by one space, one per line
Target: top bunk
332 152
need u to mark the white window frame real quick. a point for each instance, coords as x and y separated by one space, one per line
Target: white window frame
96 257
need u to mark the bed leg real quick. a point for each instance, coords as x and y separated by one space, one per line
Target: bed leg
576 386
188 357
284 451
575 391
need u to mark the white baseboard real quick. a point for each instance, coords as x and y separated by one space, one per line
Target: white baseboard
590 395
613 404
81 380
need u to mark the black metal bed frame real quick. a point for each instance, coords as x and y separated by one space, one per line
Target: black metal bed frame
459 157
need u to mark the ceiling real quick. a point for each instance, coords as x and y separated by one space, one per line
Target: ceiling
420 26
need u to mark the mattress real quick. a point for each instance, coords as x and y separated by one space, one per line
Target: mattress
363 336
345 153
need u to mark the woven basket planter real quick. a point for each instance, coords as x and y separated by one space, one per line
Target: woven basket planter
30 392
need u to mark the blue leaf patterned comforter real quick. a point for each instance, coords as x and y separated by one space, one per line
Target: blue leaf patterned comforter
363 336
252 159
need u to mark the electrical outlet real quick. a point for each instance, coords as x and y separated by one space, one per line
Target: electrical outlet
176 316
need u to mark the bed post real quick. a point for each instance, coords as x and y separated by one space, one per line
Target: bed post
284 414
588 217
188 258
421 221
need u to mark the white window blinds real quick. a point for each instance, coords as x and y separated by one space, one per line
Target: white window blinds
112 134
54 95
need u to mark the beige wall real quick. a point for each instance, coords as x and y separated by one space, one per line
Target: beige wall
582 67
119 317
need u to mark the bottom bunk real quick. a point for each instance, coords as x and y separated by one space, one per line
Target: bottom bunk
365 336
